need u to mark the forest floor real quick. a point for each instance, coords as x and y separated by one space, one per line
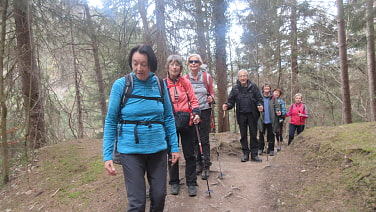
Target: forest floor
320 171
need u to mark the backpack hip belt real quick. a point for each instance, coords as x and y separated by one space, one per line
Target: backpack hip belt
147 123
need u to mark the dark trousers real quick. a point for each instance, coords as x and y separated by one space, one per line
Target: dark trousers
279 134
204 130
134 168
292 129
246 121
268 129
186 136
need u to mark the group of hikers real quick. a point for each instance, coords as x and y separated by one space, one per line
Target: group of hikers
147 117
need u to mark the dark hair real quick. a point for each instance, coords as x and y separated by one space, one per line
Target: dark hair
146 50
279 90
266 84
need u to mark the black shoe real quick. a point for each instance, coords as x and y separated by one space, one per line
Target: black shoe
256 159
192 190
271 153
174 189
245 158
205 174
198 169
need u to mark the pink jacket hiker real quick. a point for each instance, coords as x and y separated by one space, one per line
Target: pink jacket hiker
294 110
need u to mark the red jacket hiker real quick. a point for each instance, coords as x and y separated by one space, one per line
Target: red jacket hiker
182 95
294 111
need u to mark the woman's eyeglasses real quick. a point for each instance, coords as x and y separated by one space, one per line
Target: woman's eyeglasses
194 61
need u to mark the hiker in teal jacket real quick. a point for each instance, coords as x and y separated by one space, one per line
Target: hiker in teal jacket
268 122
145 131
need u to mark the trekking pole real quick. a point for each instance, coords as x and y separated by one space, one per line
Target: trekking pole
221 175
202 157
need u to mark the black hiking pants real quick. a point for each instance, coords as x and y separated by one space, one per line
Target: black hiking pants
204 130
268 129
246 121
134 168
186 137
292 129
279 134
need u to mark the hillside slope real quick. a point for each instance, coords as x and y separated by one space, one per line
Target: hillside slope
325 169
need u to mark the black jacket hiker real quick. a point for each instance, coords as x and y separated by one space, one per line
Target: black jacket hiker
245 100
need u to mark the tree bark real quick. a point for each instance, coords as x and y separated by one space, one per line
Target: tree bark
80 123
294 51
33 102
200 31
220 30
143 13
371 60
4 109
97 65
161 38
346 106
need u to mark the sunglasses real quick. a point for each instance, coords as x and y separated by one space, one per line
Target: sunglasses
194 61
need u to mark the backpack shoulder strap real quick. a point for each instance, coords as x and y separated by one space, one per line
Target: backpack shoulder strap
160 86
128 87
169 97
304 108
205 77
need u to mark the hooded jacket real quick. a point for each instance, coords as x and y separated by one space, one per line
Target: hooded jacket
252 93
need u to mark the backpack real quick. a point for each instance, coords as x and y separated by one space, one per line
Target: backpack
128 88
127 93
292 107
205 78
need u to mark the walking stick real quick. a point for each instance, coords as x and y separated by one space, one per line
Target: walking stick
221 175
202 156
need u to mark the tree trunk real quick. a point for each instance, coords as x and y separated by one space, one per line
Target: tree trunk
33 102
200 31
294 51
220 31
97 65
161 38
143 13
80 131
4 109
371 60
346 106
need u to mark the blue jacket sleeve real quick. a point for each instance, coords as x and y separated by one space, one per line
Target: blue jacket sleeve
112 117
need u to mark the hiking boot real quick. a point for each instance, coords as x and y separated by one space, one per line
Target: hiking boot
192 190
245 158
174 189
256 159
198 169
205 174
271 153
